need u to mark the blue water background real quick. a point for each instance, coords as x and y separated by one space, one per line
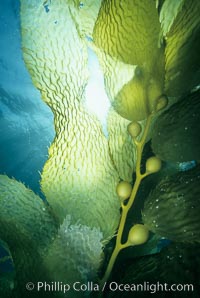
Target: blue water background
26 123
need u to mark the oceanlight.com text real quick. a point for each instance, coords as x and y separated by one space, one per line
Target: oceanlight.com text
111 286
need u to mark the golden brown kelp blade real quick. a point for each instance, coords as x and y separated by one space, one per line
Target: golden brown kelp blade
79 177
123 150
175 264
128 32
175 136
173 207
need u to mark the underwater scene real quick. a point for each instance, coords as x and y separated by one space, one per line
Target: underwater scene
99 148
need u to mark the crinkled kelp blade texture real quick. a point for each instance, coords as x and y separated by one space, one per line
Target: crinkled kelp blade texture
84 15
79 177
172 208
40 249
128 31
182 63
175 135
28 227
75 254
122 149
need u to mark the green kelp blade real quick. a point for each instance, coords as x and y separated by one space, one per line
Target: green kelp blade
182 63
172 209
175 136
27 227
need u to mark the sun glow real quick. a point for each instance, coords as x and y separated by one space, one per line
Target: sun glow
97 101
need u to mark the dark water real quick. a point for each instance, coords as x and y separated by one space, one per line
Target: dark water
26 123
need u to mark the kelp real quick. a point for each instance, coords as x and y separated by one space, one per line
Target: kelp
175 133
172 208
